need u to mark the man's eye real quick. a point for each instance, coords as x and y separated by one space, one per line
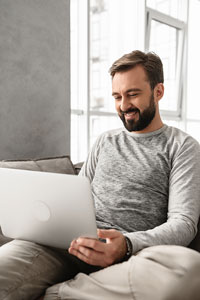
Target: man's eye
117 97
132 95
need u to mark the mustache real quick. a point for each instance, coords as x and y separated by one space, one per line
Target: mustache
123 112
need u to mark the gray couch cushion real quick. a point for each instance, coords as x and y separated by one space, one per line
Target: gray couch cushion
55 165
61 164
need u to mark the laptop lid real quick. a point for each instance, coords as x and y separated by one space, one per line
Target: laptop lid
46 208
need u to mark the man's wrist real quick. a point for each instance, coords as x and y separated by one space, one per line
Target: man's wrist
129 248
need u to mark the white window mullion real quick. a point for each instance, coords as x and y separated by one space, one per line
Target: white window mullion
88 75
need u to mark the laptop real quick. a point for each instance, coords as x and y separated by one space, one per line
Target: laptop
47 208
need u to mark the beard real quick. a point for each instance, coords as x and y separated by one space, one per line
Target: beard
145 117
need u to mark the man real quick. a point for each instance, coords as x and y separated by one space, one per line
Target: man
145 184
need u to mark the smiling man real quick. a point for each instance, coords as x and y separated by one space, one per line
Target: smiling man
145 184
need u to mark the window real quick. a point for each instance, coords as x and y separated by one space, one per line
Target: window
102 31
192 109
165 36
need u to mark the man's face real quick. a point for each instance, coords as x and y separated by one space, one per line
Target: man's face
134 99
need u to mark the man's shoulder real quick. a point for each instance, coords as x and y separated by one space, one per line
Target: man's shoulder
181 141
180 136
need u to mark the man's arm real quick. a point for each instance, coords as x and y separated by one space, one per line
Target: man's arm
89 166
183 208
183 204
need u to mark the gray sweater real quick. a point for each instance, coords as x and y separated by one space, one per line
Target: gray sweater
147 185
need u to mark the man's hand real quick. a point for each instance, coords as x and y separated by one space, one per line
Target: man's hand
97 253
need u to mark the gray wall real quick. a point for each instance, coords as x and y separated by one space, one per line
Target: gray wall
34 78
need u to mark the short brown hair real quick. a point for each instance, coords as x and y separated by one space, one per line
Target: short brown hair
150 61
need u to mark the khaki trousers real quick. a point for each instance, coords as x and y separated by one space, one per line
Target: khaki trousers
28 269
155 273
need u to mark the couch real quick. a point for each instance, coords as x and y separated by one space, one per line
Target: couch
62 165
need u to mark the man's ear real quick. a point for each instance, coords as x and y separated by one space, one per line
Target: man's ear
158 91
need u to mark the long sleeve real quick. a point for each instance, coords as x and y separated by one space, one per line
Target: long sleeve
183 203
89 166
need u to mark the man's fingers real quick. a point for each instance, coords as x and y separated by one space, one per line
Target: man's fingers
81 256
108 233
89 243
95 252
89 256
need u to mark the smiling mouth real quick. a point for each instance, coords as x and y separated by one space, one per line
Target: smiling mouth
130 115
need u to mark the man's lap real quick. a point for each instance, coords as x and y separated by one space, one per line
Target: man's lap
160 272
155 273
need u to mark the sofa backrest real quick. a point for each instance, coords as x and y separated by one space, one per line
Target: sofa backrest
61 164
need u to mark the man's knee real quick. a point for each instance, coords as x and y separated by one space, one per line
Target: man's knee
166 273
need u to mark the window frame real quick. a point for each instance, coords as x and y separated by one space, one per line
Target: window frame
160 17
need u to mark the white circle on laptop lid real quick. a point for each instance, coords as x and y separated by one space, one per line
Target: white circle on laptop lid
41 211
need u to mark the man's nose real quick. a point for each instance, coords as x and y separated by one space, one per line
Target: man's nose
125 104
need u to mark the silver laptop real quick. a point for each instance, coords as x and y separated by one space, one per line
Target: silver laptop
46 208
